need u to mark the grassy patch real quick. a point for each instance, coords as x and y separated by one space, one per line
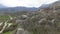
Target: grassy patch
7 32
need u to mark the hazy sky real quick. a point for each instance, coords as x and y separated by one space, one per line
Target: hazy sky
27 3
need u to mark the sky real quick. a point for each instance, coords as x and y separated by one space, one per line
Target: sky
26 3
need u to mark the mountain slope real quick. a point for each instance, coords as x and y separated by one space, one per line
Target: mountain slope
2 6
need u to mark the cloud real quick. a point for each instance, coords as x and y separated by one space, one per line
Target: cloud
0 1
27 3
21 2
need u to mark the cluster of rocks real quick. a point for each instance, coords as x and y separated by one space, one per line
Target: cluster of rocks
44 21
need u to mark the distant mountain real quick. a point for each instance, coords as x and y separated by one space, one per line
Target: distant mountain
14 9
56 5
43 6
2 6
20 8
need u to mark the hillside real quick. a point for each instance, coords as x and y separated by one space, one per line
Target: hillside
42 21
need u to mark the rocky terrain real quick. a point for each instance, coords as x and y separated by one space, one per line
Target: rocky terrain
42 21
